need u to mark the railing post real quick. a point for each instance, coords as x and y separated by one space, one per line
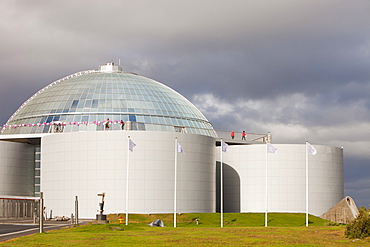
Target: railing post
76 210
41 212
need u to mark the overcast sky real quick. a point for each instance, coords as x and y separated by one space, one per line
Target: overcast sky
299 69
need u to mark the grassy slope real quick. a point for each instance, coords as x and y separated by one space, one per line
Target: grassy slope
230 219
239 230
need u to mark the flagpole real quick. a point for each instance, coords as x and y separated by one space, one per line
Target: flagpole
306 186
266 189
175 188
221 190
127 169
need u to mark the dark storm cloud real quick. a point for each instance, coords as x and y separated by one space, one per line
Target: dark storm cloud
357 183
296 68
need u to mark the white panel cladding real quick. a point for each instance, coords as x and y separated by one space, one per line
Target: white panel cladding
85 164
17 169
287 177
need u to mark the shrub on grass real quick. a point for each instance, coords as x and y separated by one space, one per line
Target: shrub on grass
359 227
331 223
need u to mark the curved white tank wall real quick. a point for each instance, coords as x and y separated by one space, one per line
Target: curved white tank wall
85 164
286 178
17 169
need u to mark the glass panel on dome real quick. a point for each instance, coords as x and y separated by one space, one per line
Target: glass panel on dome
132 118
95 103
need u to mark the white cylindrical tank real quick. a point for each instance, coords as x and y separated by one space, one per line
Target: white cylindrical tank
86 164
286 179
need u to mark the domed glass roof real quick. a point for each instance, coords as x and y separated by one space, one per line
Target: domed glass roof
83 101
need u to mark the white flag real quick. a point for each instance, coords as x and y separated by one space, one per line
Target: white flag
224 146
271 149
179 148
131 146
311 149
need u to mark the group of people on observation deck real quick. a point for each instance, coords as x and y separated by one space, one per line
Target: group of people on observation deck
243 135
108 122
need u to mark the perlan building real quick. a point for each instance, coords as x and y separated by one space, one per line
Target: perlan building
114 132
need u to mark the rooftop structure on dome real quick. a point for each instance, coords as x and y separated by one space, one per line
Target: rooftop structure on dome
110 67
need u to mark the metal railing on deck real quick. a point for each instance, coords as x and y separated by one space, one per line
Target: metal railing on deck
59 127
250 137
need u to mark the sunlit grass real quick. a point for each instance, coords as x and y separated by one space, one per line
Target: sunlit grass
230 219
238 230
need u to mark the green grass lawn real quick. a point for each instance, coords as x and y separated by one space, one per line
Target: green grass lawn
230 219
239 230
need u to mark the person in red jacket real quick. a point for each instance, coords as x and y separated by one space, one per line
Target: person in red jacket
232 135
244 135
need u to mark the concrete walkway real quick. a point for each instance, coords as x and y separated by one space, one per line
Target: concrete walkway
15 228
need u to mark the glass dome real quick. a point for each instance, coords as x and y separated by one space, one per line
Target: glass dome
84 100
